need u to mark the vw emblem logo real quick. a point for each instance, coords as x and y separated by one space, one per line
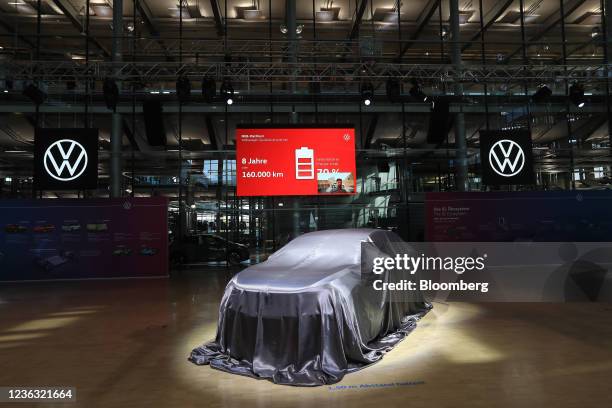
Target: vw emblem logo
347 137
506 158
65 160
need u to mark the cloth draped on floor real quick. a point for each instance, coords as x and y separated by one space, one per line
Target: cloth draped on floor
309 314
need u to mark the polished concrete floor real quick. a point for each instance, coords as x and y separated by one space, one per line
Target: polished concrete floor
124 343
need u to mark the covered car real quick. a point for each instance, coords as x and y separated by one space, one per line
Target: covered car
309 314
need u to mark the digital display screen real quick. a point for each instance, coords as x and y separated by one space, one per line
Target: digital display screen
295 161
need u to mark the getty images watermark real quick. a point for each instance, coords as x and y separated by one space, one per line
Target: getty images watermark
414 264
491 271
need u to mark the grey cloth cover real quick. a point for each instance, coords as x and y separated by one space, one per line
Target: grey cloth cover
307 315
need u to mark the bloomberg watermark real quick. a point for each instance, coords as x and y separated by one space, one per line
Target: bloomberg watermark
491 271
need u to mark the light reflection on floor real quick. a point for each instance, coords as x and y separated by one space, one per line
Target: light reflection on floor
125 344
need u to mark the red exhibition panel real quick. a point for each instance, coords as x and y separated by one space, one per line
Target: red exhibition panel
305 161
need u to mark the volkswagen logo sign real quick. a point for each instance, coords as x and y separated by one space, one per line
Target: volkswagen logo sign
506 158
65 160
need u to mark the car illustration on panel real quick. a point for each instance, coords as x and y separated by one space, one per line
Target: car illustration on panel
148 251
122 250
15 228
55 261
97 227
71 227
43 229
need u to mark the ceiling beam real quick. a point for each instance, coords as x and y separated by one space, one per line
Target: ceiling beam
216 9
361 7
147 17
73 15
580 47
498 9
550 23
11 30
422 22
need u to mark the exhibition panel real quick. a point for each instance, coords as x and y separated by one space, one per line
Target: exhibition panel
76 239
551 216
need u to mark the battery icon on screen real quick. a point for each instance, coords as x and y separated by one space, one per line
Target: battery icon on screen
304 163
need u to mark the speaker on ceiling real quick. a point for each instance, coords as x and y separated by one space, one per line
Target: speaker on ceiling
35 94
154 122
440 121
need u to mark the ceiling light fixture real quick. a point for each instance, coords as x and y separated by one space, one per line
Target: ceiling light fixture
298 29
465 15
328 12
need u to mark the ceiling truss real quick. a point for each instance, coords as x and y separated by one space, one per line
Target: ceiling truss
252 72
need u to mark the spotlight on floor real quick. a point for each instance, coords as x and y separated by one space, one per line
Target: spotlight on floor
576 95
394 89
35 94
367 93
227 91
209 89
111 93
541 94
183 88
416 92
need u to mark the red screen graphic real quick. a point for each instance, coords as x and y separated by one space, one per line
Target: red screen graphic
307 161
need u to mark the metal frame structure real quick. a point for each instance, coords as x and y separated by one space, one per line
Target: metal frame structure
272 75
58 71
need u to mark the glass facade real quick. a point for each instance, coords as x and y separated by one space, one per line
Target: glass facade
509 53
